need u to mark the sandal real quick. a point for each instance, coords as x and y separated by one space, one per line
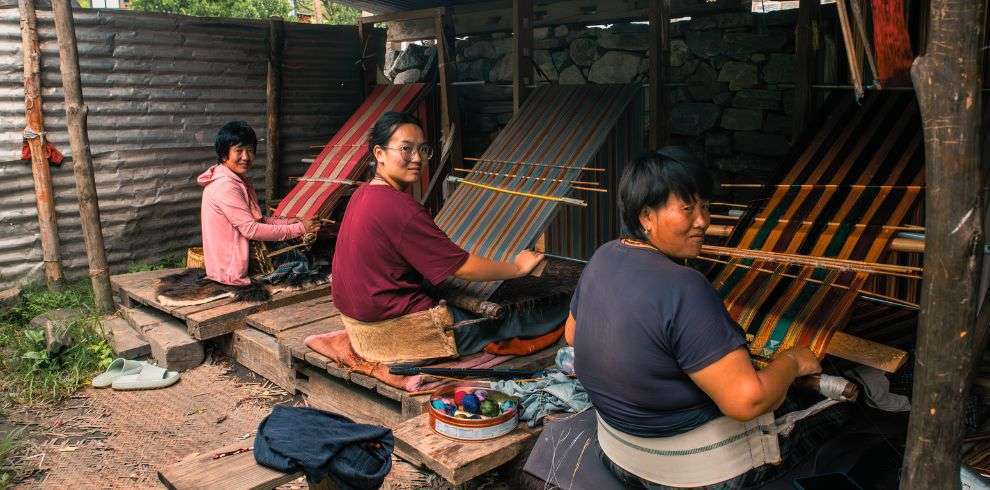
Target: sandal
150 378
119 367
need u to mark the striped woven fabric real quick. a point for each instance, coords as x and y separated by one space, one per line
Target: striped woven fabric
344 157
862 175
558 131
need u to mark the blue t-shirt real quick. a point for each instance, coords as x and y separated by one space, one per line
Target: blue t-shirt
643 323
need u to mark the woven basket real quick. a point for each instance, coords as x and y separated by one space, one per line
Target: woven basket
194 257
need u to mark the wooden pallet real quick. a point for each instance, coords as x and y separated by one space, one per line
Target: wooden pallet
208 320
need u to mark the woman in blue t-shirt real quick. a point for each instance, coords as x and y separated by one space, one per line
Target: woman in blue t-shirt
654 345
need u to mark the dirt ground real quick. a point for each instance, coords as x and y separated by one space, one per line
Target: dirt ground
119 439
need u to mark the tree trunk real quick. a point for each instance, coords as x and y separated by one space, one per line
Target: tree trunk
82 161
44 194
948 80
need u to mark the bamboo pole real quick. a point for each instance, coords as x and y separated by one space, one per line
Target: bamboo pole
273 102
952 330
43 191
82 161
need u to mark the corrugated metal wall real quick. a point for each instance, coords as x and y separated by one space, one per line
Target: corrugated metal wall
158 87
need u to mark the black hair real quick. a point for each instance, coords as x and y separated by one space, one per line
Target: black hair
234 133
648 182
386 125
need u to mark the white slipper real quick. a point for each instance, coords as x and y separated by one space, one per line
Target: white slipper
150 378
119 367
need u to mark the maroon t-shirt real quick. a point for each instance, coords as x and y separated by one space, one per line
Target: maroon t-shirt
387 246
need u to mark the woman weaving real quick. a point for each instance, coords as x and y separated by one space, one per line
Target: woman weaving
389 251
688 387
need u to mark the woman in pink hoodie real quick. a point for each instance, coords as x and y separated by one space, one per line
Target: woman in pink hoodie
230 214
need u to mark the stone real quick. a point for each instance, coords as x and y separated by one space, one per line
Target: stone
723 99
739 75
408 76
627 41
560 31
683 72
412 57
502 71
9 296
762 144
503 46
704 44
579 33
549 43
753 168
571 76
692 118
734 19
545 62
480 49
757 99
742 119
561 58
678 95
615 67
703 83
55 324
474 70
499 35
780 69
742 45
541 32
718 143
758 58
778 123
431 58
678 52
584 51
677 28
390 57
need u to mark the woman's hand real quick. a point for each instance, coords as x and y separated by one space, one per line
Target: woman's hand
310 225
806 360
526 261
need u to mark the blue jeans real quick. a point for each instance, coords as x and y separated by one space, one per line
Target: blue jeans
472 333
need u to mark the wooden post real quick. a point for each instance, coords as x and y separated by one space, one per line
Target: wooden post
449 111
276 31
44 194
82 161
948 80
806 42
659 54
369 75
522 67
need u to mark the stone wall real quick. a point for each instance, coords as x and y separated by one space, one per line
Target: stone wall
731 80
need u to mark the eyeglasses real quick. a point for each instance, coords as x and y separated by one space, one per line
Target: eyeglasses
425 151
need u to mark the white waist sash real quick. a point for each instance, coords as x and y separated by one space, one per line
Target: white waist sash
719 450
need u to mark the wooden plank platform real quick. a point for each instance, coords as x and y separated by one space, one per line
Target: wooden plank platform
274 321
208 320
234 472
456 461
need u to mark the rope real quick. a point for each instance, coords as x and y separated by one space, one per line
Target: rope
566 200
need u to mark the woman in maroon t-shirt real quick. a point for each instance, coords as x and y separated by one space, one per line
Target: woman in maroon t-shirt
389 247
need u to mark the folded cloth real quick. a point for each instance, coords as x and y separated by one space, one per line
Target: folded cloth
518 346
555 392
322 444
337 346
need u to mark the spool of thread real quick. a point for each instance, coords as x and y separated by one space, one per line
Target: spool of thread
506 406
438 405
489 408
481 394
459 396
470 403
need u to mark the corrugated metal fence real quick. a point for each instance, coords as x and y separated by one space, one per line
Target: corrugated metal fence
158 87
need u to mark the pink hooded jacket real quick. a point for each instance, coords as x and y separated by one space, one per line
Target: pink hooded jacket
230 217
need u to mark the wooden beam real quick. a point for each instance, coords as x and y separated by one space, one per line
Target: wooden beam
866 352
496 16
428 14
82 161
273 93
948 80
659 53
44 194
522 65
807 41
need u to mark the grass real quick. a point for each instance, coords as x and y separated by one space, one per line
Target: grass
168 262
10 442
28 373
